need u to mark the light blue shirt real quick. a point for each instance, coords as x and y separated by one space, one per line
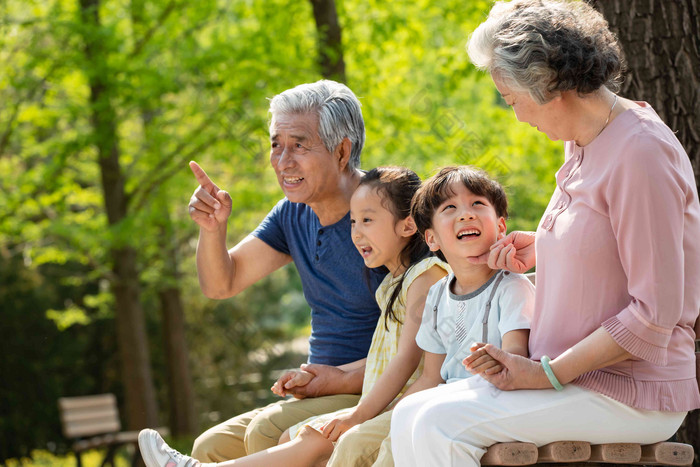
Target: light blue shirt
459 319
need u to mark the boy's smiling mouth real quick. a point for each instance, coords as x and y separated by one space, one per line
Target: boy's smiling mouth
468 233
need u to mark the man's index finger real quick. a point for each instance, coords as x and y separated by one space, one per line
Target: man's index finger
200 175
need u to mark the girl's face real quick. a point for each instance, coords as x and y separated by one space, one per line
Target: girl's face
376 233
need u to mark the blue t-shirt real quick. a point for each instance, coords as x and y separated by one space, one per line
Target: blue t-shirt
344 312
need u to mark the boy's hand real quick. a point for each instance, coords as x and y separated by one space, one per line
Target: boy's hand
290 380
339 425
480 361
518 372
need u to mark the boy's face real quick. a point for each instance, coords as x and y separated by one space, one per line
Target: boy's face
464 225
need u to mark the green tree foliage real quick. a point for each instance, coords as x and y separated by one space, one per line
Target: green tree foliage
43 360
189 80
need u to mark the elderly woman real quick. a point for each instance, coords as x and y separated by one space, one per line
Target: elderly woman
618 259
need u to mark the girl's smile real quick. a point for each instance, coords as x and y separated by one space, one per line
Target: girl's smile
376 232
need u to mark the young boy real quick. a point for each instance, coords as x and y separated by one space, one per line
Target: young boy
462 212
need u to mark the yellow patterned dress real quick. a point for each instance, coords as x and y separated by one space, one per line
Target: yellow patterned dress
385 344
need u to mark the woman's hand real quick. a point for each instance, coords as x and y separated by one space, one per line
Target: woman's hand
339 425
517 373
515 252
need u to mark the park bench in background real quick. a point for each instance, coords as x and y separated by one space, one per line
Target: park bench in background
583 453
92 422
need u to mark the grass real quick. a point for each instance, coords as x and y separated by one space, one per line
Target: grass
91 458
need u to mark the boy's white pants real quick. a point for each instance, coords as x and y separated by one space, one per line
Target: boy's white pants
452 424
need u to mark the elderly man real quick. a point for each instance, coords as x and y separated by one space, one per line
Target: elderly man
316 134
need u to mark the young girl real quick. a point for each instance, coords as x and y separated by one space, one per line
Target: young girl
385 235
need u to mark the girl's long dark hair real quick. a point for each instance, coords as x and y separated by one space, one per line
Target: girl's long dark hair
396 186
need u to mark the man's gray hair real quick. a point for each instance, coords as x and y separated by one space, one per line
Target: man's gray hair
338 110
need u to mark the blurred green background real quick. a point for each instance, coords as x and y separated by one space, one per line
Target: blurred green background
106 102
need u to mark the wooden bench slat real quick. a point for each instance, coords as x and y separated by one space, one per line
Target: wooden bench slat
667 454
97 427
100 413
616 453
83 402
564 451
510 454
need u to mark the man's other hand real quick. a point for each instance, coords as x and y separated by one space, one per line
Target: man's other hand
325 382
291 380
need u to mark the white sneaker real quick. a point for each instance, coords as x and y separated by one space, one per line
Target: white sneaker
156 453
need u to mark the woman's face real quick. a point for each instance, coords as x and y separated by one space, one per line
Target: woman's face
547 118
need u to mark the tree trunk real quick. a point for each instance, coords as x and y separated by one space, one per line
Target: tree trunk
180 390
330 47
132 339
661 40
181 393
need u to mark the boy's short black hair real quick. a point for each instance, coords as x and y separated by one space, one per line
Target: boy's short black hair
438 188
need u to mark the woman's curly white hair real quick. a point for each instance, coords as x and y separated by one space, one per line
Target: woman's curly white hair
544 47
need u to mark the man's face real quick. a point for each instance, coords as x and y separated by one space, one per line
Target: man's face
307 172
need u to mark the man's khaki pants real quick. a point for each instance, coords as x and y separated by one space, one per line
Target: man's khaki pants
261 429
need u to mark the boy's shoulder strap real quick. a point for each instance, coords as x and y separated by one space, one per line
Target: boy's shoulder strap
443 284
487 311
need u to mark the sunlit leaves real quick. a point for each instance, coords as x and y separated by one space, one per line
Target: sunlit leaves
68 317
426 106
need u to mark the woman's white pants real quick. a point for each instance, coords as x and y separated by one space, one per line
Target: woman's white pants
452 424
